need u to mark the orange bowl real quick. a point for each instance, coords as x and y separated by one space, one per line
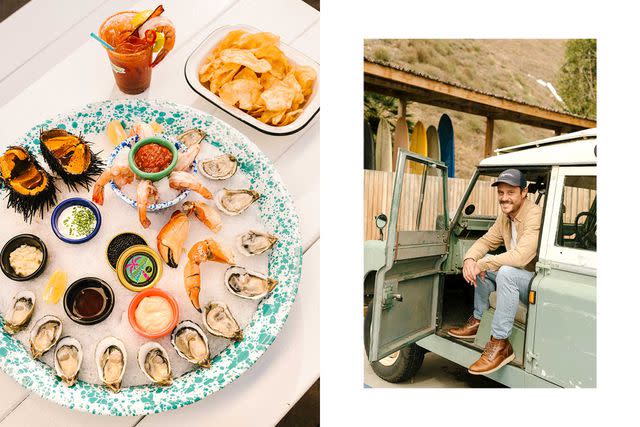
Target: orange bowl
150 293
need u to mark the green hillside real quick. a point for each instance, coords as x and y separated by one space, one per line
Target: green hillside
508 68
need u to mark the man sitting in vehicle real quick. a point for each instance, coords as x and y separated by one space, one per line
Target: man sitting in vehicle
517 227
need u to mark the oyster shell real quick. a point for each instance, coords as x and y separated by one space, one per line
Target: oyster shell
248 284
255 242
192 137
234 202
20 311
220 322
219 167
191 343
154 362
67 360
44 335
111 360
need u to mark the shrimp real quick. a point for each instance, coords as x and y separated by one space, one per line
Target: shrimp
147 194
204 250
179 180
186 158
143 130
120 175
205 213
162 25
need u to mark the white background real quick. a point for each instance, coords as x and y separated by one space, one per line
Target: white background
344 401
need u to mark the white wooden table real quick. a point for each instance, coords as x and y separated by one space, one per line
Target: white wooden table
51 66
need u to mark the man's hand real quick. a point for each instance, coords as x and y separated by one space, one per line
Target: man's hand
470 271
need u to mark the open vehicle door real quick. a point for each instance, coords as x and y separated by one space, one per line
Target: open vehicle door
405 301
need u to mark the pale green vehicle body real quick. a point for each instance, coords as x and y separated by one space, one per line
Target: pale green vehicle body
556 348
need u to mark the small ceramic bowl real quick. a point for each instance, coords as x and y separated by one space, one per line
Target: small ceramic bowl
153 176
149 293
127 143
100 289
13 244
75 201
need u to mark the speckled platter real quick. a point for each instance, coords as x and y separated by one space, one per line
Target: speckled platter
276 211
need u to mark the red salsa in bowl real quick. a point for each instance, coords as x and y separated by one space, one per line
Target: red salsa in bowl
153 158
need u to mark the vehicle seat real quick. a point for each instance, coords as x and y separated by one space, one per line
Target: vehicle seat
521 312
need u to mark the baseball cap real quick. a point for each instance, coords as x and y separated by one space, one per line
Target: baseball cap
512 177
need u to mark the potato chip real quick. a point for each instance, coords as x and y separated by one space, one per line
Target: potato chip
223 75
278 97
244 92
248 74
251 72
257 40
246 58
306 76
229 41
279 62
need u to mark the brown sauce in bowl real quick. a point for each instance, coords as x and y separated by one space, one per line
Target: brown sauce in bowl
89 303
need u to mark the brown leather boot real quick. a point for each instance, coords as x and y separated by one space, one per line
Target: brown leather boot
467 331
496 354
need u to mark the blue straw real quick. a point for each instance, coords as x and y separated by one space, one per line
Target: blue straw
102 42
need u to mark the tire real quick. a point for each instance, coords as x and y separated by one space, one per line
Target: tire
399 366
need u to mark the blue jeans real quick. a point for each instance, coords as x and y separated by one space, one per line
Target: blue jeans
511 284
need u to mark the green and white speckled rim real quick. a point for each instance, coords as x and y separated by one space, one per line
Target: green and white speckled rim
285 263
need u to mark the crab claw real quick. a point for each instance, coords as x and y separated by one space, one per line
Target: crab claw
171 238
192 283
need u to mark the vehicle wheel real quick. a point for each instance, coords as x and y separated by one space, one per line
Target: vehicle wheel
399 366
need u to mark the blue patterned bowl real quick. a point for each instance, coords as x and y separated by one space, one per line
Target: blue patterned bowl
129 142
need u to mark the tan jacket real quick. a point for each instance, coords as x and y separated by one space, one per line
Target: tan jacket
527 230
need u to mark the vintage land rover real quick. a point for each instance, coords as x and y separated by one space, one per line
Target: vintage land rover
413 287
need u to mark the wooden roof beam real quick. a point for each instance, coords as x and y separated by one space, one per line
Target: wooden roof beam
389 81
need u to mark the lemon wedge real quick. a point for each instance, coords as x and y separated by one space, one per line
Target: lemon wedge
55 287
140 17
159 42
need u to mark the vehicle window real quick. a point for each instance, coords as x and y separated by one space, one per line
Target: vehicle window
483 204
577 225
421 206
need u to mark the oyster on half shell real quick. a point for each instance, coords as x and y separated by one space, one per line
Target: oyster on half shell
191 343
20 311
44 335
111 360
218 320
220 167
67 360
192 137
248 284
234 202
255 242
154 362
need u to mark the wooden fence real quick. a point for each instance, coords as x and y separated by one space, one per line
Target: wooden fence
378 191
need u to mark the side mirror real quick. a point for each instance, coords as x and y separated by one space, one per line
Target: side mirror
381 222
470 209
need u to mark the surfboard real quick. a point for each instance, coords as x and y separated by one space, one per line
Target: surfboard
383 154
419 146
401 138
447 151
369 156
433 147
433 143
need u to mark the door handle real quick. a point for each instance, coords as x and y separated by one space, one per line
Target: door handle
397 297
